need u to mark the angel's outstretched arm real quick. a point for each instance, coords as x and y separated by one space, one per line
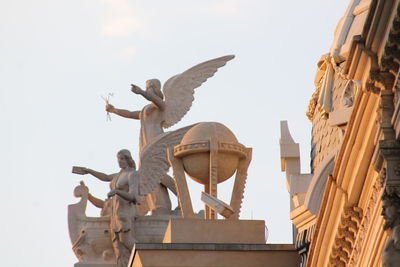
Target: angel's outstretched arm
123 112
149 96
133 194
99 175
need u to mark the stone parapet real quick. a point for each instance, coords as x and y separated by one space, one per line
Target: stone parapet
211 254
215 231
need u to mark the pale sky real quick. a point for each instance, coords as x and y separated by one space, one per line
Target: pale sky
57 58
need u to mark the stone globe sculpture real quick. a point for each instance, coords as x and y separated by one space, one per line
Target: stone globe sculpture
210 154
194 150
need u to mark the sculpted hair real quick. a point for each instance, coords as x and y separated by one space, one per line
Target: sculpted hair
127 155
156 85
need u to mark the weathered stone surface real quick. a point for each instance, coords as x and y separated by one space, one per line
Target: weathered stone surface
208 255
215 231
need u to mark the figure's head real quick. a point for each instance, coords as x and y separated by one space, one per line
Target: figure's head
390 210
125 159
154 85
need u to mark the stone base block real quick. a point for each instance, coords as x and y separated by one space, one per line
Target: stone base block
215 231
151 229
212 255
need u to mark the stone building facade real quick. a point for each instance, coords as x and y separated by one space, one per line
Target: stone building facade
346 212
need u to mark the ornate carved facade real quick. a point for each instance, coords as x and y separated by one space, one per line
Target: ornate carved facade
355 112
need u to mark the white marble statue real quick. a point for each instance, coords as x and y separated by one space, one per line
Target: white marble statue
124 195
167 107
129 185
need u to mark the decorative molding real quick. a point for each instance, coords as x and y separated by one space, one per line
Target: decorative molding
204 146
345 236
303 240
391 214
389 147
312 105
384 70
390 150
240 184
324 82
365 223
349 93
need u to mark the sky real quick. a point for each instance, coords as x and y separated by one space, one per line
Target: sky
57 58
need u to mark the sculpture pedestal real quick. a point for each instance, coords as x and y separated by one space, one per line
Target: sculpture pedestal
210 243
215 231
211 255
151 229
148 229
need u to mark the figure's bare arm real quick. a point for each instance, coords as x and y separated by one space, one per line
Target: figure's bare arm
96 201
123 112
149 96
125 195
99 175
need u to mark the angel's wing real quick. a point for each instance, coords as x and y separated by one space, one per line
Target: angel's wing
154 162
179 89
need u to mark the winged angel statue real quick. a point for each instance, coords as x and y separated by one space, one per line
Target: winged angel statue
167 107
170 105
129 186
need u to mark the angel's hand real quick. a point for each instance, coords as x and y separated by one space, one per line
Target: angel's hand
135 89
136 201
81 171
110 108
112 193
